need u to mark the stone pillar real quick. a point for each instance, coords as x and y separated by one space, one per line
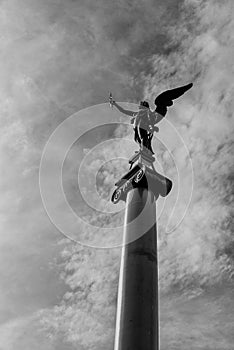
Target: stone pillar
137 309
137 320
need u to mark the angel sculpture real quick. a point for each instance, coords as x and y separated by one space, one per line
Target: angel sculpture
145 120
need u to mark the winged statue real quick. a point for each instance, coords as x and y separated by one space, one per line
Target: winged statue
145 120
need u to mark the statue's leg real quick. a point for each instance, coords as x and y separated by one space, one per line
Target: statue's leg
136 136
144 137
150 136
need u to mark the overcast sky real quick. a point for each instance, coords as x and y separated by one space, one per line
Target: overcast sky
58 57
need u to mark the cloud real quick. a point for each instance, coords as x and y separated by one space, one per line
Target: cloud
58 57
26 333
14 332
197 251
196 256
55 58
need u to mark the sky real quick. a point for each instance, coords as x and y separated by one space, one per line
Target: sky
58 57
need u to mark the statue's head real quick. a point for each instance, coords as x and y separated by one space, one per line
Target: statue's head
144 104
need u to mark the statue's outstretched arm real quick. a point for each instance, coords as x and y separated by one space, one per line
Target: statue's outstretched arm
122 110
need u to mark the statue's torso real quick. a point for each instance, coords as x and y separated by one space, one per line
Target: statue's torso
144 118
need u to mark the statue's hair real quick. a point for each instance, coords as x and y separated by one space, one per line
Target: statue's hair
144 103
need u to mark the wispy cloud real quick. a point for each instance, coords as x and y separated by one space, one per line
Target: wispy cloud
59 57
196 255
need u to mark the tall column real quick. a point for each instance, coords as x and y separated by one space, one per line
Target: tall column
137 320
137 309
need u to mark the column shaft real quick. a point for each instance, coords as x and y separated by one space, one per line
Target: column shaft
137 308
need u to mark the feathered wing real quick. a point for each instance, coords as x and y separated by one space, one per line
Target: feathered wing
165 99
